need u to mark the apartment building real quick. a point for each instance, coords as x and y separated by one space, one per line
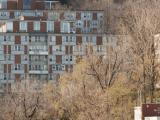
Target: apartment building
41 43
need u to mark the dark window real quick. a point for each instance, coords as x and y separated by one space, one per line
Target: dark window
26 4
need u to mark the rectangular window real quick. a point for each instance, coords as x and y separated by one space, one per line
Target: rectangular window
23 26
17 67
52 59
50 26
24 38
94 24
9 26
65 27
79 24
17 47
1 67
4 14
99 48
26 4
59 48
9 57
36 26
25 57
1 76
3 4
1 57
58 67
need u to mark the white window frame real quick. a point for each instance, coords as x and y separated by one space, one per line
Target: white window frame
50 26
17 67
23 26
65 27
17 48
37 25
9 26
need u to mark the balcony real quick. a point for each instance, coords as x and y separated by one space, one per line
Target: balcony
38 72
38 52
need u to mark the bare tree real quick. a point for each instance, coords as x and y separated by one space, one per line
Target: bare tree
140 20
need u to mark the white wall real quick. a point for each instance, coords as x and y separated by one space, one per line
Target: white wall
137 113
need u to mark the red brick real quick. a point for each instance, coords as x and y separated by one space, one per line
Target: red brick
9 68
26 68
58 40
50 68
71 50
99 40
5 68
66 50
30 26
78 40
58 59
11 14
78 15
50 49
20 4
9 49
94 16
57 27
11 5
16 26
43 26
78 30
17 77
5 49
17 59
25 49
17 40
37 5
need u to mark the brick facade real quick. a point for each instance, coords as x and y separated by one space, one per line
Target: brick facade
37 53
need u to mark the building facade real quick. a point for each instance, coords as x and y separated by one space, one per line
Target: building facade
41 43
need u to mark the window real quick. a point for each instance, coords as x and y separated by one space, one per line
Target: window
3 4
2 76
37 39
59 48
99 48
24 38
52 38
9 26
50 26
1 57
70 15
100 16
17 47
17 67
23 26
5 38
37 26
86 16
94 24
4 14
25 57
52 59
65 27
5 76
17 13
71 58
8 57
58 67
1 67
26 4
69 38
79 24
